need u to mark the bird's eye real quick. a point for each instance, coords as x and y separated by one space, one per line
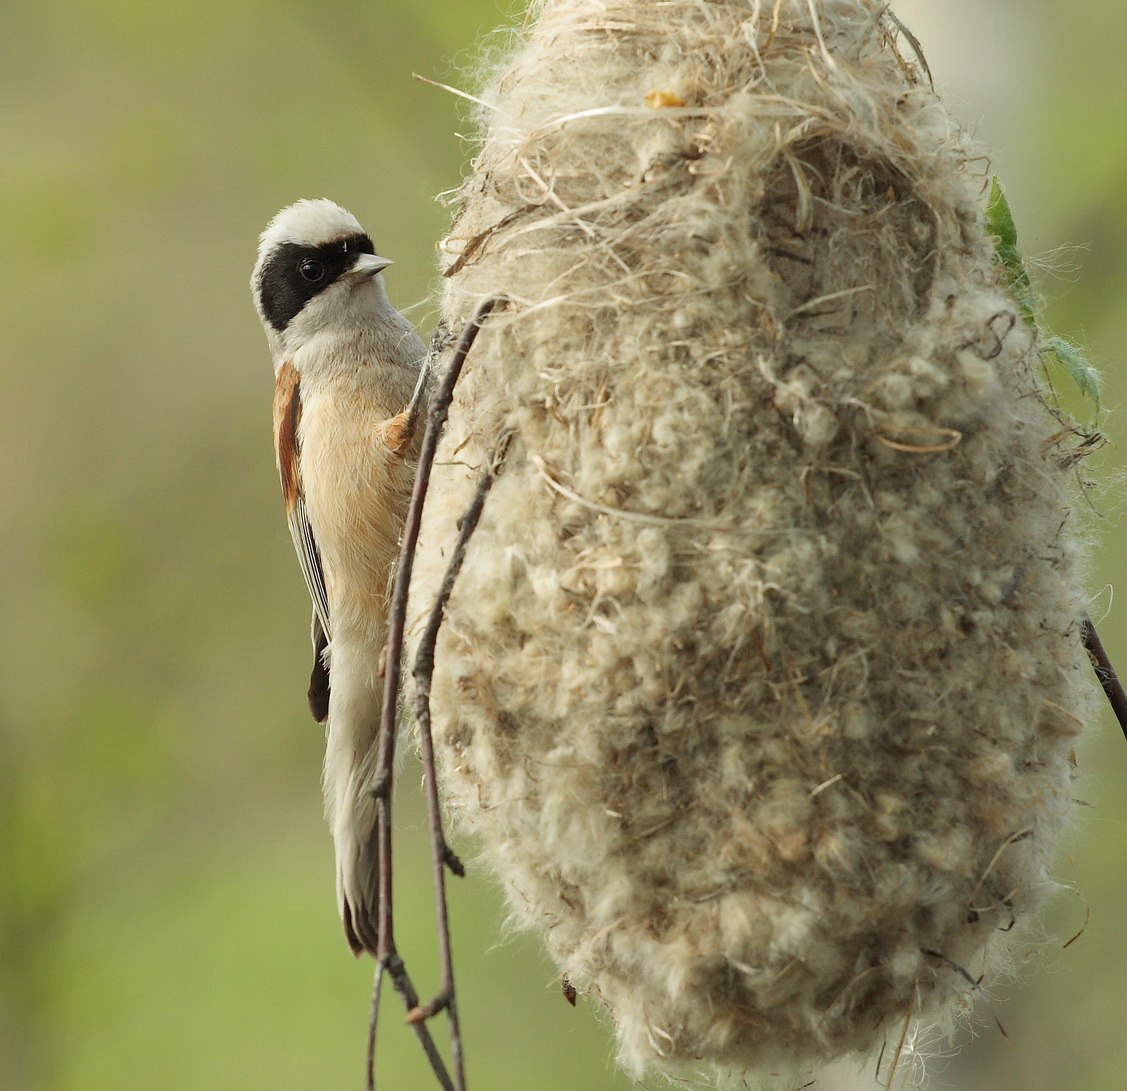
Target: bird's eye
311 269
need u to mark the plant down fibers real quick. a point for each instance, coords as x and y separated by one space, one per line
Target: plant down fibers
762 676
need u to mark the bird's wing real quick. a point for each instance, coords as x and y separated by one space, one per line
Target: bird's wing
287 415
309 558
318 693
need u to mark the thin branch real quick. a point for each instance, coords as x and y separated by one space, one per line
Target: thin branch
1105 672
386 953
397 971
373 1022
440 407
442 857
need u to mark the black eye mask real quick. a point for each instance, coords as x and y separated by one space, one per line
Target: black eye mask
296 273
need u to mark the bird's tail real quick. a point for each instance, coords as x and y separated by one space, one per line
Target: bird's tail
355 703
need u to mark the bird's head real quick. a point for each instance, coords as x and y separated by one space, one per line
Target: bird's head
316 273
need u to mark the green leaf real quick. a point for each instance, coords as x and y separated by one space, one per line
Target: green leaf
1084 375
1000 224
1054 350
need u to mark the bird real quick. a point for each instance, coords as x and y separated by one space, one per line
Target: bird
349 383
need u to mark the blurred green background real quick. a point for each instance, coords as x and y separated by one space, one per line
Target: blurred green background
166 899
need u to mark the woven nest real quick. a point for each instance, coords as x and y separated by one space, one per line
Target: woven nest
762 676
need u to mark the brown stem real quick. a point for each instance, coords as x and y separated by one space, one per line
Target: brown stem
394 967
373 1022
386 953
441 855
1105 672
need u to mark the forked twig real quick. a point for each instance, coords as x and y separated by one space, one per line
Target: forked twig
387 956
442 857
1105 672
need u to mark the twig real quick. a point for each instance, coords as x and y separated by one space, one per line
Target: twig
386 953
1105 672
373 1021
397 971
442 856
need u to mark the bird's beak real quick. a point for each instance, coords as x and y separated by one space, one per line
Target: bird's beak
367 266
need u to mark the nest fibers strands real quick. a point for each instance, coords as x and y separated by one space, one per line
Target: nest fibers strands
761 679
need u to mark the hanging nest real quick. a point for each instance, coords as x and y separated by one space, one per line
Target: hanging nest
762 677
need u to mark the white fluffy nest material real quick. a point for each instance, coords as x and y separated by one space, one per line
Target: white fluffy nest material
761 681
